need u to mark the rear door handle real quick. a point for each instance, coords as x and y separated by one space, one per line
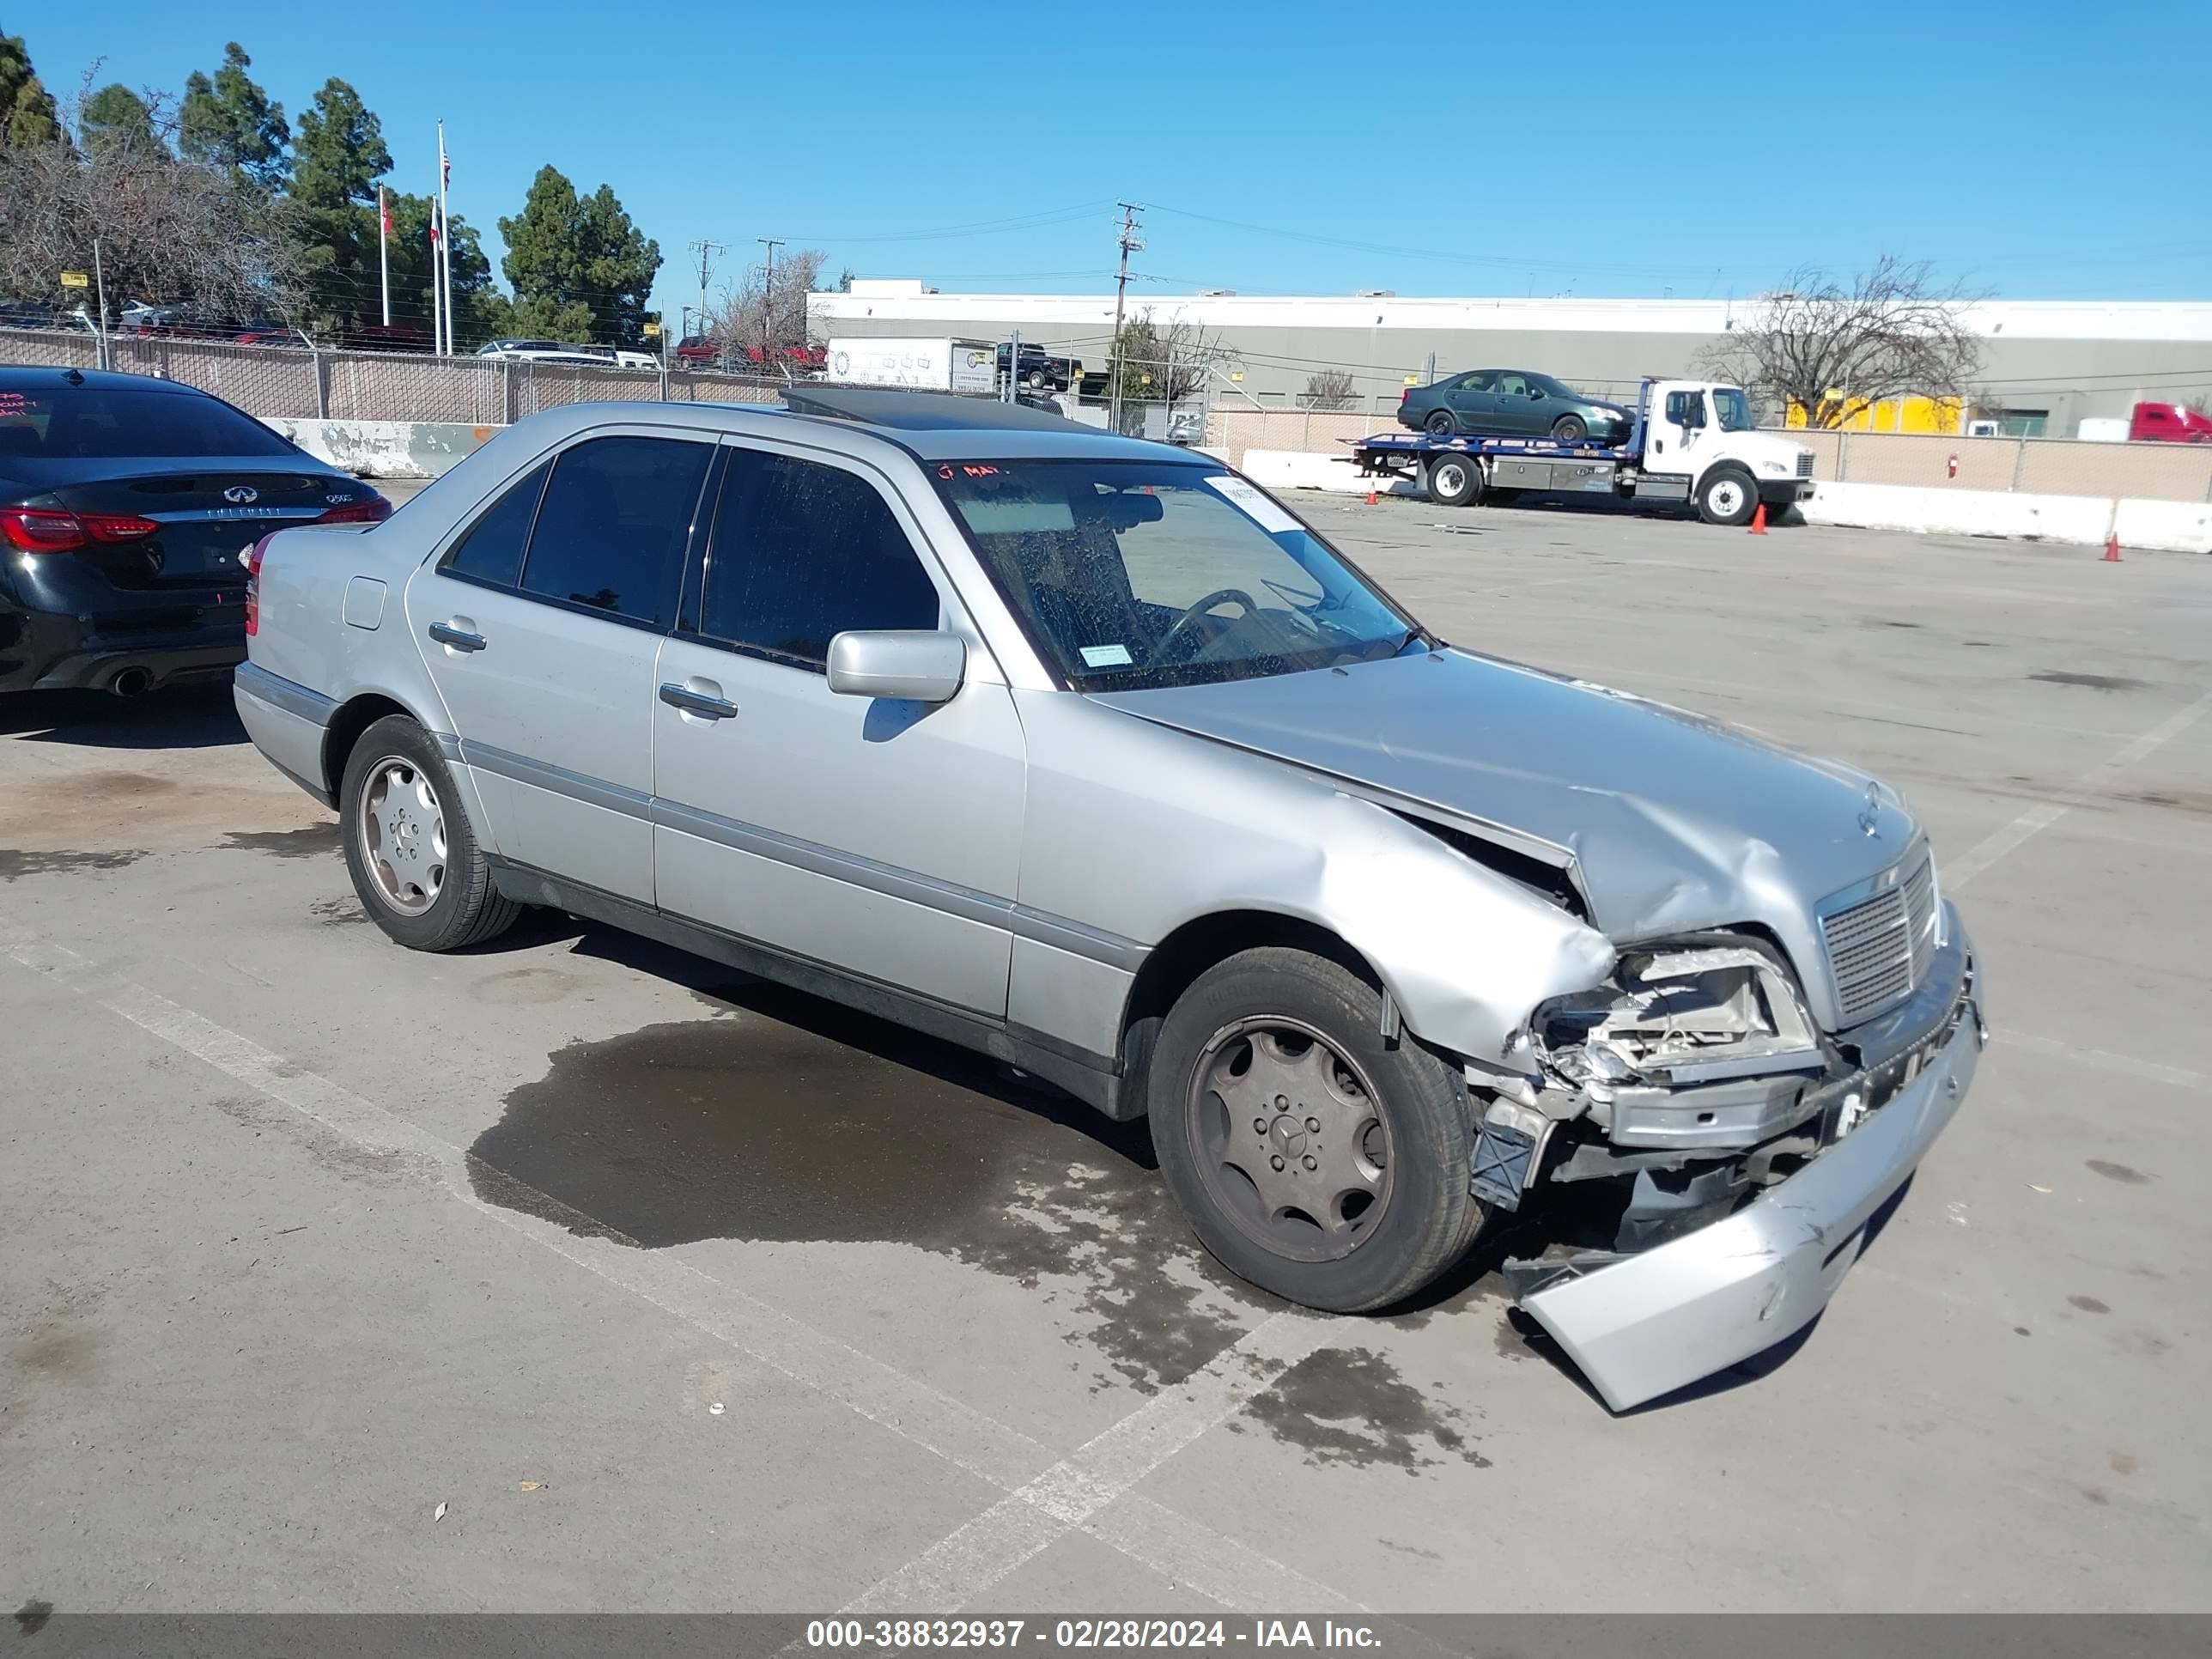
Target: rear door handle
460 638
696 702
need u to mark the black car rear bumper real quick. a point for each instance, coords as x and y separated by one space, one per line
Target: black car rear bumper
43 652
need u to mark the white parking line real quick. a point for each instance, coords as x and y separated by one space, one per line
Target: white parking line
1088 1491
965 1563
2102 1059
1959 871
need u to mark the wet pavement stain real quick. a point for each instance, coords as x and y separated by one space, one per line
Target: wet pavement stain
315 842
2094 682
2120 1172
1350 1406
15 863
31 1618
344 912
790 1119
2087 1304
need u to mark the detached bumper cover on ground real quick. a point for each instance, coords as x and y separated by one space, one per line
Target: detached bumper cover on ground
1680 1311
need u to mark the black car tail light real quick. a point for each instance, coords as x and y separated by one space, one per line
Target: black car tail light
50 529
371 508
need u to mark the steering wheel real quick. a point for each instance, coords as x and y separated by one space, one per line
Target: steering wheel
1185 622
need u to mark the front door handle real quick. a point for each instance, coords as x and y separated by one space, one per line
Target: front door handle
460 638
696 702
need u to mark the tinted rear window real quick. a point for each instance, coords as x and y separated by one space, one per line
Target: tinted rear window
91 423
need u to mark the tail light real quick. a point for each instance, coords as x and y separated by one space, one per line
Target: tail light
49 530
371 508
1404 395
253 584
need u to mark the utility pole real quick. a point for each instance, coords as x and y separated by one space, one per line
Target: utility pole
1130 243
767 293
706 251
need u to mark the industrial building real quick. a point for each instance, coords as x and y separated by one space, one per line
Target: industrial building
2046 364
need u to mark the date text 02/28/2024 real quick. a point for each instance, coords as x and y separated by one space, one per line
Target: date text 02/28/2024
880 1634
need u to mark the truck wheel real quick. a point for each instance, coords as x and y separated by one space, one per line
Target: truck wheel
1454 480
1310 1156
1036 379
408 845
1570 429
1726 495
1440 423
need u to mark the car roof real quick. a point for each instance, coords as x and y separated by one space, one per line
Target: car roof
930 425
52 374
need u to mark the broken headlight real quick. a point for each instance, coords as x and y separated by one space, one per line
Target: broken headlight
1697 1012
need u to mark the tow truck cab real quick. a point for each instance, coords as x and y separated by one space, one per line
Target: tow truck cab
1702 444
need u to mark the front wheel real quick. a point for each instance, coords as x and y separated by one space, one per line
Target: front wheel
1311 1157
409 848
1726 495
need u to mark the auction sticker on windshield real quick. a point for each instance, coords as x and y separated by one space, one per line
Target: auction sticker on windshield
1253 505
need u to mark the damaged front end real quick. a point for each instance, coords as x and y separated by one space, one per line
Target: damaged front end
1739 1150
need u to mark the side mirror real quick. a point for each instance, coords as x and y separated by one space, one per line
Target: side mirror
911 666
1536 394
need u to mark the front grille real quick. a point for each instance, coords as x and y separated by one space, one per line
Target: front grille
1804 463
1878 949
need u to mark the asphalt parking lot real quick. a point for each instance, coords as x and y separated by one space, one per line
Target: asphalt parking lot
575 1274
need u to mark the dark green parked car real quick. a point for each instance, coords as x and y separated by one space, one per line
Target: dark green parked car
1511 403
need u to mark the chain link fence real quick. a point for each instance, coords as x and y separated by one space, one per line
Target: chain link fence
301 383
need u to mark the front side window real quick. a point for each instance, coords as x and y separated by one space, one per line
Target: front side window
802 552
1733 409
490 550
613 526
1131 575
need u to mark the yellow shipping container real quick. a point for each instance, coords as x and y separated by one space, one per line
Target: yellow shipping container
1890 415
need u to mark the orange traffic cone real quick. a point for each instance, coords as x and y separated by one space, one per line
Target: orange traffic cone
1370 498
1759 520
2111 548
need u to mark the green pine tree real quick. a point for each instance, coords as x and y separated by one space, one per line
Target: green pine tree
27 108
228 121
581 270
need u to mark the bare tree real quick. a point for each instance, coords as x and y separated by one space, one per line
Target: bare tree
758 312
1328 388
168 230
1835 350
1165 362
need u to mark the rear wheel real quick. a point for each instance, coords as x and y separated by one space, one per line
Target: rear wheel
1570 429
1440 423
1311 1157
410 847
1454 480
1726 495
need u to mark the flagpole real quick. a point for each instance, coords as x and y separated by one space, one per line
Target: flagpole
437 293
384 252
445 273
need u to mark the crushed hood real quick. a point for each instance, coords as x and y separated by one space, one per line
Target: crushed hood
1672 821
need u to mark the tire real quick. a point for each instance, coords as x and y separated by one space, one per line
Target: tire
1403 1112
1454 479
1570 428
436 894
1440 423
1726 495
1035 378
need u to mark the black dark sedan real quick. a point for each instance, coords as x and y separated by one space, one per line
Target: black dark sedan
1511 403
125 503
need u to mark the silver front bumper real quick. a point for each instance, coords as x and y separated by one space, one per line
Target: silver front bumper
1680 1311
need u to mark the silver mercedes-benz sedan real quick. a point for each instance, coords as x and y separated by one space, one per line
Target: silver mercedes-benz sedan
1086 753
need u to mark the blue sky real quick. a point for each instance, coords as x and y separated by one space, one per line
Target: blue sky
2028 149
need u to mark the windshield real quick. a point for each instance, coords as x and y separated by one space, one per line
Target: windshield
1131 575
1733 409
90 423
